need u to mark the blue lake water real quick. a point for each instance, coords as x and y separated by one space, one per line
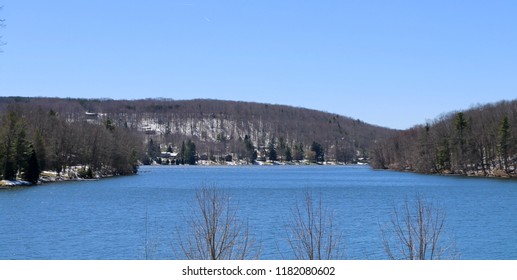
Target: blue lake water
114 218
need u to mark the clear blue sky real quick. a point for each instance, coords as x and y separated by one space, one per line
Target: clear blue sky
390 63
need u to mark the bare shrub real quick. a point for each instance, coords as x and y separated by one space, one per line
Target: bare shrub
215 231
150 245
311 232
417 232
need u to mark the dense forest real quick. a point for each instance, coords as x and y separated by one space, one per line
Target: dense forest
95 138
480 141
112 136
33 140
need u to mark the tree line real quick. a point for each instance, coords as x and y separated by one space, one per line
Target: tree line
33 139
110 137
242 150
219 128
480 141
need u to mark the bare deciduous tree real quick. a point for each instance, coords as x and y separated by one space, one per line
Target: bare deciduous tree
417 232
2 24
216 232
150 245
311 233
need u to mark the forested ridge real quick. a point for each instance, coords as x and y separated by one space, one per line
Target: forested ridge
106 136
481 141
112 137
33 140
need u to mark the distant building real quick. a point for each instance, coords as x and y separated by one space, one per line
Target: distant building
168 155
91 116
149 131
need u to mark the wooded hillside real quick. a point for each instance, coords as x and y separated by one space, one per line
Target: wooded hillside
480 141
112 133
33 139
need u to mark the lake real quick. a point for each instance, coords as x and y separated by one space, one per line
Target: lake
115 218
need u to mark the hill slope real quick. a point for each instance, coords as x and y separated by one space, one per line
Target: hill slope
219 128
480 141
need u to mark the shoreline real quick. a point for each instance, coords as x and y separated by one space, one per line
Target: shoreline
47 177
262 163
72 174
492 174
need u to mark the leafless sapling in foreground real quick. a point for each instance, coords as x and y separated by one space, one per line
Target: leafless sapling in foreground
416 231
311 232
2 24
215 231
150 245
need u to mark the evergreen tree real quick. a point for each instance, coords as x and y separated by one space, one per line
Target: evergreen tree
153 150
21 151
12 137
272 155
39 147
460 145
9 170
251 153
190 153
282 148
504 142
443 156
317 150
461 123
109 124
288 154
32 171
89 173
181 155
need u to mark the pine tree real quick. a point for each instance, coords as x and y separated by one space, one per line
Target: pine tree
9 170
21 152
190 153
443 156
317 151
13 137
272 150
32 171
288 154
39 147
251 153
153 150
282 148
181 154
460 146
109 125
504 142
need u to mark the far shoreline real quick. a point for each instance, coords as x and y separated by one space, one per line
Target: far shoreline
71 175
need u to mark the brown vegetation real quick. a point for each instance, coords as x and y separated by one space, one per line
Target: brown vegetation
215 231
219 130
417 232
312 234
479 142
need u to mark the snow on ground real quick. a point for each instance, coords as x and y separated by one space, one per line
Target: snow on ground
9 183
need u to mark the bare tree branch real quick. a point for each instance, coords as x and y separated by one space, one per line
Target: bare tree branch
150 245
216 232
2 24
417 233
311 232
